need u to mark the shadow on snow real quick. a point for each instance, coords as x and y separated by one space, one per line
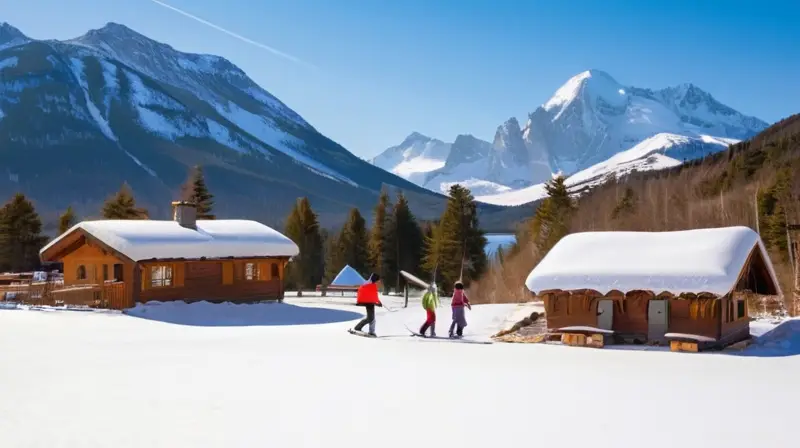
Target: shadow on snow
205 314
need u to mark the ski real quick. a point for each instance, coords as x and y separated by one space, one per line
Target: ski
445 338
366 335
360 333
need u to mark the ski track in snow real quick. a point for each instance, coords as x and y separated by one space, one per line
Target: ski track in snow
206 375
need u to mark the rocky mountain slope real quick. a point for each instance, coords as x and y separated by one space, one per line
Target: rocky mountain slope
590 119
80 117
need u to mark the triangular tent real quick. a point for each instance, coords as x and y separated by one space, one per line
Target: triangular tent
348 277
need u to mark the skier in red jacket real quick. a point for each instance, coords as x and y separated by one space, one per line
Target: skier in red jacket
368 297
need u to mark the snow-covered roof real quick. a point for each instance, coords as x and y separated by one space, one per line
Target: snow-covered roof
689 261
223 238
348 277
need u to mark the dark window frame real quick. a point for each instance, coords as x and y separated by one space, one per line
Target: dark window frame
253 274
275 271
166 278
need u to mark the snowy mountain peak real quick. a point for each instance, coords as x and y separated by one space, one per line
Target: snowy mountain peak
154 58
467 148
415 137
592 85
11 36
588 120
117 29
188 71
149 111
511 126
508 138
8 30
114 37
416 156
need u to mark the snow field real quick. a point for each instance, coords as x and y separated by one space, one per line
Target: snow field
97 379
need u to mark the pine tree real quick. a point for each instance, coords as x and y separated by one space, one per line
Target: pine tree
123 206
354 241
66 220
302 227
457 249
403 242
20 235
626 205
552 219
334 259
377 236
427 229
772 205
195 190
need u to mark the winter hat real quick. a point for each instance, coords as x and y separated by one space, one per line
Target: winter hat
374 277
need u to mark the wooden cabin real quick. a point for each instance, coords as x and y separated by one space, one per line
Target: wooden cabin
686 288
183 259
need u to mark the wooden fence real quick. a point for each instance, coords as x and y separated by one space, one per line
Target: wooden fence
109 295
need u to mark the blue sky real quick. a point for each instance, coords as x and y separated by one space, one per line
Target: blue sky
382 69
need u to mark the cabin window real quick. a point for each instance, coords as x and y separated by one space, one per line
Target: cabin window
118 272
275 271
251 271
741 309
81 274
105 272
160 276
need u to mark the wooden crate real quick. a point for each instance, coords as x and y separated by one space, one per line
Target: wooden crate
683 346
582 340
575 339
595 340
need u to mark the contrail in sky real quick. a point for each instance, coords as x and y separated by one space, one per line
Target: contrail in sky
232 34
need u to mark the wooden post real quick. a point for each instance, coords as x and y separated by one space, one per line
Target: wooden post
794 252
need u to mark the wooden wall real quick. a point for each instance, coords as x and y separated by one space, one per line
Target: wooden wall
733 327
703 315
93 258
565 310
695 316
217 280
630 313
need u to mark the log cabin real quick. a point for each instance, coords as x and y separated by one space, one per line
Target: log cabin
182 259
688 289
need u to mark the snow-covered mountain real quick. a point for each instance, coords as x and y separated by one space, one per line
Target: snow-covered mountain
655 153
80 117
590 119
415 157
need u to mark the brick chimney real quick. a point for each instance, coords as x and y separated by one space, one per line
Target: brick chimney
185 214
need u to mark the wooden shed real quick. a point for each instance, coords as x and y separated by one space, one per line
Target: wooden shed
687 288
183 259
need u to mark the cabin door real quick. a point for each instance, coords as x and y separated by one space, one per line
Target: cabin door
657 320
605 314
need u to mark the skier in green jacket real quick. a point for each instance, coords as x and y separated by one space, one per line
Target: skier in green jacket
430 301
